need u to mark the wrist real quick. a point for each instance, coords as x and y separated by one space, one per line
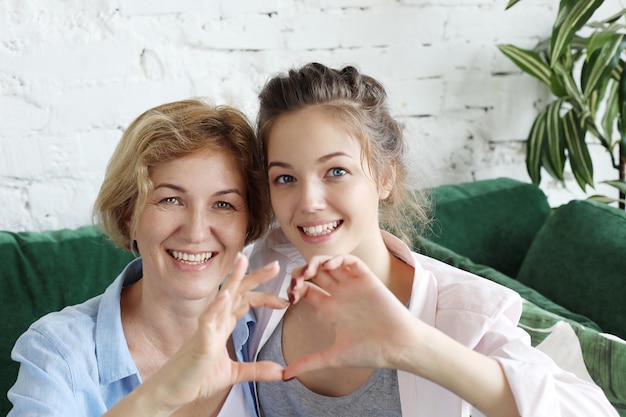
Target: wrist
148 400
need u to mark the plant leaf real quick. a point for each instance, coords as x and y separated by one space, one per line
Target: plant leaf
571 89
534 146
621 100
554 143
592 102
614 18
605 199
511 4
572 15
598 39
611 111
556 85
528 61
580 160
619 184
617 71
601 62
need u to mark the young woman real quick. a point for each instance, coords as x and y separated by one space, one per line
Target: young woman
178 191
382 331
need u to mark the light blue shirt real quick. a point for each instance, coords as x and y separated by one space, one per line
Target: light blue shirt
76 362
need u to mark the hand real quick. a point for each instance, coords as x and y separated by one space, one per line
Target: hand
372 327
203 367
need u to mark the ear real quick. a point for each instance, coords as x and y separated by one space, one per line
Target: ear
387 181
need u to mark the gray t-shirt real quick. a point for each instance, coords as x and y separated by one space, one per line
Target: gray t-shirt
377 397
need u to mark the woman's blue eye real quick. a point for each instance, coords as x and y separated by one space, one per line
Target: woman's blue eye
336 172
223 205
283 179
171 200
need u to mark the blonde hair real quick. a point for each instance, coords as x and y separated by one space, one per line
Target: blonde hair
359 101
168 132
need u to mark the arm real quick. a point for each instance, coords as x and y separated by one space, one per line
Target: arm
373 329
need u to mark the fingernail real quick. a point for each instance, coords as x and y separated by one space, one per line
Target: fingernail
291 298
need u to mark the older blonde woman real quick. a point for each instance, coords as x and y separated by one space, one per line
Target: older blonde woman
178 190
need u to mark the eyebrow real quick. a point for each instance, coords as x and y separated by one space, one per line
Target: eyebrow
320 160
182 190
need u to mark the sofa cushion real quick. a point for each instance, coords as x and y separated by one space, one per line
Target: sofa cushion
448 256
578 260
492 222
604 355
46 271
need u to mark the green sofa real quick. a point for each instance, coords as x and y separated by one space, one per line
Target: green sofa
565 263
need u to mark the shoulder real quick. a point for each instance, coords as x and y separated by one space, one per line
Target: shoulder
61 332
461 293
56 355
454 280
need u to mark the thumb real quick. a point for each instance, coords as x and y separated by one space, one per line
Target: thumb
257 371
312 362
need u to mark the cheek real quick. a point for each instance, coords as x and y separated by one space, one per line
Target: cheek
284 206
146 229
233 230
277 200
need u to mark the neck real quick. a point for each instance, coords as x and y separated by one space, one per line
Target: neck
158 322
393 272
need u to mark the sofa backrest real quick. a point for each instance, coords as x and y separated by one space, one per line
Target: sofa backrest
492 222
578 260
46 271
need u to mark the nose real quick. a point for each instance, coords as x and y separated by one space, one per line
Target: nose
312 197
196 226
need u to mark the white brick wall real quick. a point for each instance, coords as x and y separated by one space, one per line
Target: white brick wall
73 74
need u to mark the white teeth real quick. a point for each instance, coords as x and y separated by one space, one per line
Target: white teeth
190 258
320 229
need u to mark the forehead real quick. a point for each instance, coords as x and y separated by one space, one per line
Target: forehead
313 129
214 166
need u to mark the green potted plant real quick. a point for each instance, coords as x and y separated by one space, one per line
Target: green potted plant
582 64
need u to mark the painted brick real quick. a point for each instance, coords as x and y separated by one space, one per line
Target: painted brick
73 75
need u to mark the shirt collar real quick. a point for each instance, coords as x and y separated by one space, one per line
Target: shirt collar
398 248
241 334
424 292
114 359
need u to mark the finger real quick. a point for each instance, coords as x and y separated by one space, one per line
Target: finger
295 290
347 267
260 276
353 264
258 371
308 291
307 363
310 270
325 279
263 299
334 263
237 273
215 317
296 284
218 305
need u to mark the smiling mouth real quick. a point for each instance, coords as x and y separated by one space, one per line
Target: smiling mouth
320 229
191 258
